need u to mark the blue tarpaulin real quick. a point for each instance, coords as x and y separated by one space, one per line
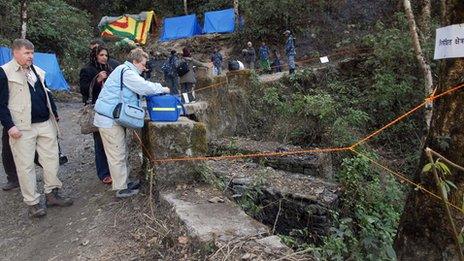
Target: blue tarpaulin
180 27
47 62
219 21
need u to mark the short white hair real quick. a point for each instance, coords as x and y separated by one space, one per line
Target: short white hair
136 55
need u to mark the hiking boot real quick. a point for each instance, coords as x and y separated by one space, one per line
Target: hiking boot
55 199
38 210
134 185
63 159
126 193
10 185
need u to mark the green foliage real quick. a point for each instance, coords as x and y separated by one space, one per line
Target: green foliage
395 87
248 201
9 11
205 174
371 208
267 20
442 172
307 105
55 26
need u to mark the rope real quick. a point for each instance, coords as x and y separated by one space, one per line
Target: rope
405 179
307 151
234 157
351 148
406 114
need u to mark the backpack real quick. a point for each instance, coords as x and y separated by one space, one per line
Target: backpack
183 68
169 67
233 65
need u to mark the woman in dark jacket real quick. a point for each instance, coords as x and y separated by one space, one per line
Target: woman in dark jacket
94 75
188 80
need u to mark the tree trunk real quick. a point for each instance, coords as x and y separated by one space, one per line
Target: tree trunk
424 20
424 66
23 19
185 7
424 232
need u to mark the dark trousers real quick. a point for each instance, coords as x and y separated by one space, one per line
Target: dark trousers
186 89
100 157
7 158
173 84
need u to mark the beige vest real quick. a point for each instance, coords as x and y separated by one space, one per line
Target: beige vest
19 102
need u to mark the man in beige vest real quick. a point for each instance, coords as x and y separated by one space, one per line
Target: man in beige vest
26 112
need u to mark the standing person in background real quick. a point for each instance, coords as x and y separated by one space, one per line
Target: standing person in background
290 51
170 73
249 55
216 58
8 163
188 80
151 64
94 75
124 85
276 63
264 53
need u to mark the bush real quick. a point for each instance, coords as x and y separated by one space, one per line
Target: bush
366 226
55 26
267 20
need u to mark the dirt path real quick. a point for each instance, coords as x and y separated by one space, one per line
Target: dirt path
96 227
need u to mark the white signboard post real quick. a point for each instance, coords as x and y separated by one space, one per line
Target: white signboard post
449 42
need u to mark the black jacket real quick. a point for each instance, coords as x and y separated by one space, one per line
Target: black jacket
87 74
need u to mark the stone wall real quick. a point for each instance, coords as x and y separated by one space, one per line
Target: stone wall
167 140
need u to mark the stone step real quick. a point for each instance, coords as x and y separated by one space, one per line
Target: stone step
220 222
317 165
285 200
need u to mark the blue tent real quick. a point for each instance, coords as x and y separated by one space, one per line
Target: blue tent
46 61
180 27
219 21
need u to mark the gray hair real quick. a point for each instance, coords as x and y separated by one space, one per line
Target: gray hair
137 55
19 43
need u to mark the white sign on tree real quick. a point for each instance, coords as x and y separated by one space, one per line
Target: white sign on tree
449 42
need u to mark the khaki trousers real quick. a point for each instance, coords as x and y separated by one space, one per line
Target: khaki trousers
43 138
114 143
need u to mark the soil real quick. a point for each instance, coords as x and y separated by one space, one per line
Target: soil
97 226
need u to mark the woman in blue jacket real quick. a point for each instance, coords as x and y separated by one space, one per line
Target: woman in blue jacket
114 135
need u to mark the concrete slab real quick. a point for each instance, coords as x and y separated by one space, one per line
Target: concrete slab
212 221
286 200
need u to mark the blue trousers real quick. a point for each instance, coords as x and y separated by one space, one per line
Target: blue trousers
291 62
100 157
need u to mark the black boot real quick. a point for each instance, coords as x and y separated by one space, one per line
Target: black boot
10 185
38 210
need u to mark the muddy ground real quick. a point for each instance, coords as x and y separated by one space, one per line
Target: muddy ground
97 226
